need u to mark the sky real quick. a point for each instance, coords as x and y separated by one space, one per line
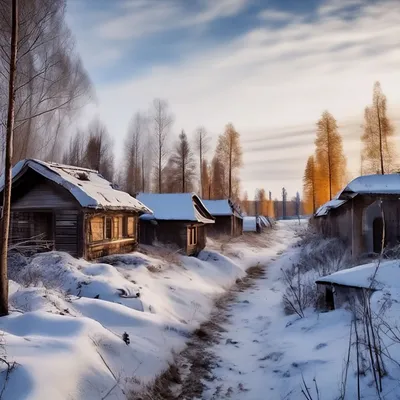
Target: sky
270 67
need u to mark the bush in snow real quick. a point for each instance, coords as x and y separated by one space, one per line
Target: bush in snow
316 257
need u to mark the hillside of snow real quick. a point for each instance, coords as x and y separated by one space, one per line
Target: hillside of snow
64 336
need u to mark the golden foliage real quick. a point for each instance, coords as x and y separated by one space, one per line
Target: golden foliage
378 151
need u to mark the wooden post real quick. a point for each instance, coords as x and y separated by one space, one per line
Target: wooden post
5 222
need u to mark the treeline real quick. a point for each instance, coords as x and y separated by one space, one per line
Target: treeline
51 84
326 171
155 160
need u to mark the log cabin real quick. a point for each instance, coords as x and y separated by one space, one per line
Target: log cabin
228 218
74 209
364 214
178 219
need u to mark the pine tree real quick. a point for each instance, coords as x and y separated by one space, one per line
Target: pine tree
218 187
205 180
377 153
229 152
329 157
183 161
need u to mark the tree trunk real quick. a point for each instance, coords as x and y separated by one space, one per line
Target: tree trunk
380 139
159 167
5 222
201 166
230 169
143 173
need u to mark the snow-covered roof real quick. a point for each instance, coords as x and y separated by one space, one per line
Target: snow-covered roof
88 187
388 275
218 208
324 209
372 184
176 207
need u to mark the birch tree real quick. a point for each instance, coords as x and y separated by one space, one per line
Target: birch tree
6 211
378 151
202 141
162 121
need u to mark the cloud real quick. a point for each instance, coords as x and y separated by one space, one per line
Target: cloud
270 79
275 15
134 19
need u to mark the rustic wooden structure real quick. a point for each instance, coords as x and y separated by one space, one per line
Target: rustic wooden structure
228 218
178 219
365 209
75 209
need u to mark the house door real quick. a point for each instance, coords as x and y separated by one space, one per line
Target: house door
377 228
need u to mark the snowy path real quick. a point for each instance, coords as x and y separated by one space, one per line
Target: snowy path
246 347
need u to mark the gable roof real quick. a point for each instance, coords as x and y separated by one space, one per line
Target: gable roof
372 184
176 207
88 187
222 208
325 208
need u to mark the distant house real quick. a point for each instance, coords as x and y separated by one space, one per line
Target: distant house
368 206
75 209
256 224
178 219
356 284
228 218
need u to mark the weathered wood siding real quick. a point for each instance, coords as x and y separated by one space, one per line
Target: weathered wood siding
44 196
174 233
67 233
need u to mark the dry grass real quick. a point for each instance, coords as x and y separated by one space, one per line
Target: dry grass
165 253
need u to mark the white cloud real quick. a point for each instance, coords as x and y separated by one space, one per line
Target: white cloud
136 19
268 80
275 15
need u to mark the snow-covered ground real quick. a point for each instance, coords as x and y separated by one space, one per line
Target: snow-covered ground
265 354
65 332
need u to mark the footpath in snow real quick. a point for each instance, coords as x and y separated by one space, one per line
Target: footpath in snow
80 330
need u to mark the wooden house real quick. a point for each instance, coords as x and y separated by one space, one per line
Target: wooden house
75 209
178 219
364 214
228 218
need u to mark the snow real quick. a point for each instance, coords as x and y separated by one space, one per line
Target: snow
387 276
324 209
175 206
68 317
249 224
91 192
218 207
378 184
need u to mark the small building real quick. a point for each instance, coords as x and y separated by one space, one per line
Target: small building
364 214
228 218
355 285
251 224
75 209
178 219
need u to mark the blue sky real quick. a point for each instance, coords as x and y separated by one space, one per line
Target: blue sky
269 66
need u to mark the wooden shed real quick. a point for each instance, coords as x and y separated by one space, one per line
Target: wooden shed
368 206
75 209
228 218
178 219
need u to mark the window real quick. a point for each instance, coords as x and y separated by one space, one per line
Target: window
108 230
97 229
192 235
129 227
117 226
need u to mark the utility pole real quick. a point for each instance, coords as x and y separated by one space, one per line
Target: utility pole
6 211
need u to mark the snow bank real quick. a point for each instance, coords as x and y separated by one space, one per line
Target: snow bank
69 317
387 276
379 184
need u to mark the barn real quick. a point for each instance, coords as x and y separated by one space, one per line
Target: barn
178 219
228 218
74 209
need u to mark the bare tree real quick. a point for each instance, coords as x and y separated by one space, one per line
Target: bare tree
162 121
99 150
202 141
51 84
75 154
5 222
134 143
